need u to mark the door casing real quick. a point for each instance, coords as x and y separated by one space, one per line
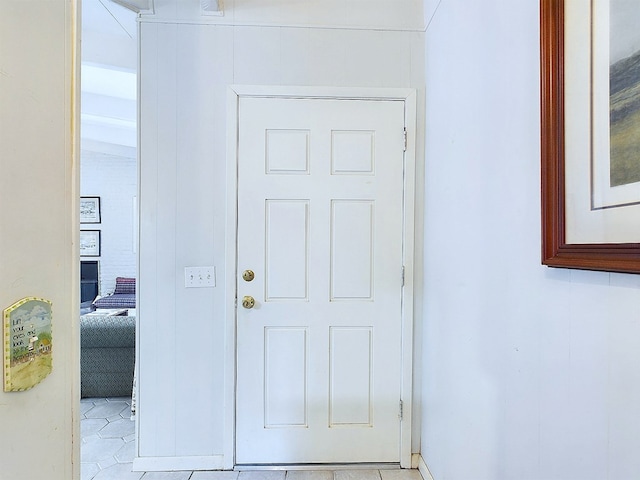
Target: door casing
408 96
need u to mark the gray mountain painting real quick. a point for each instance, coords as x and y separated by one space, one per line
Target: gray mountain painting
624 91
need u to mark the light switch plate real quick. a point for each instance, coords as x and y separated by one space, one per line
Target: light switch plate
195 277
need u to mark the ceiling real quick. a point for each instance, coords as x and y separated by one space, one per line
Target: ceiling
108 78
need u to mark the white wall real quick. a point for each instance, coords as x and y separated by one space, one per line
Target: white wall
528 372
38 229
113 178
185 71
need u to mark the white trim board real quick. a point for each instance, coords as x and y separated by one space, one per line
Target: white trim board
408 96
422 467
317 467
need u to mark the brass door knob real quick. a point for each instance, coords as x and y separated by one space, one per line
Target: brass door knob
248 275
248 301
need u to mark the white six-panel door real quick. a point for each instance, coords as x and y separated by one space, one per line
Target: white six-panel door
320 225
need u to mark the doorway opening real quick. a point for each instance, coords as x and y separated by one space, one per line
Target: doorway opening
108 233
334 161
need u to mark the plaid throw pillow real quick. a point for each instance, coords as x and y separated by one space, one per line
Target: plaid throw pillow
125 285
122 300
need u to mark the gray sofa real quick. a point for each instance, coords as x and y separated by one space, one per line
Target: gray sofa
107 355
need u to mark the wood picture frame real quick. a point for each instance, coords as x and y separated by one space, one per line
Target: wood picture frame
556 250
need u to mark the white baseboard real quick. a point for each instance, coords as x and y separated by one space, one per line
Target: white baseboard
422 467
173 464
317 466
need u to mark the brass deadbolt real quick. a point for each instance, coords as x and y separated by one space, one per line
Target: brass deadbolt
248 275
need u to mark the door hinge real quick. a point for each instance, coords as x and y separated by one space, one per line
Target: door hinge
402 276
400 415
405 140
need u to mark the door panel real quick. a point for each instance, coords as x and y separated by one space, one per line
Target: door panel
352 249
286 249
351 402
320 191
285 376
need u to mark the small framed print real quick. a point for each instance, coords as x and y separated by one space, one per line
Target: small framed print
89 209
89 243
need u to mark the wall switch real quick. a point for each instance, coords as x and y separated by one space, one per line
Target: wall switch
199 277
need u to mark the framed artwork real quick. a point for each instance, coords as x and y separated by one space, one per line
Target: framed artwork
590 134
89 243
89 209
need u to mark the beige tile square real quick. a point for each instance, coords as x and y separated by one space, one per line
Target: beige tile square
262 475
184 475
118 471
403 474
214 476
309 475
357 475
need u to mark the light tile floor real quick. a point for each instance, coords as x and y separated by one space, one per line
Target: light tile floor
108 448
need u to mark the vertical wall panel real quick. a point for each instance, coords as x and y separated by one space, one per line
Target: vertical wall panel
351 394
157 299
285 377
193 247
352 249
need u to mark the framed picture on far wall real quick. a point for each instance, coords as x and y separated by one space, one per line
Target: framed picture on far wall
89 209
89 243
590 85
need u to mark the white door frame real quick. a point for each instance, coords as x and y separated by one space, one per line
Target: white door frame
408 96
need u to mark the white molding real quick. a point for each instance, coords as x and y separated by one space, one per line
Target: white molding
344 93
136 366
138 6
410 112
408 96
172 464
423 469
229 438
218 19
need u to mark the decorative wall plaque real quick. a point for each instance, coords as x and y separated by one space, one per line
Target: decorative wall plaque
27 343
